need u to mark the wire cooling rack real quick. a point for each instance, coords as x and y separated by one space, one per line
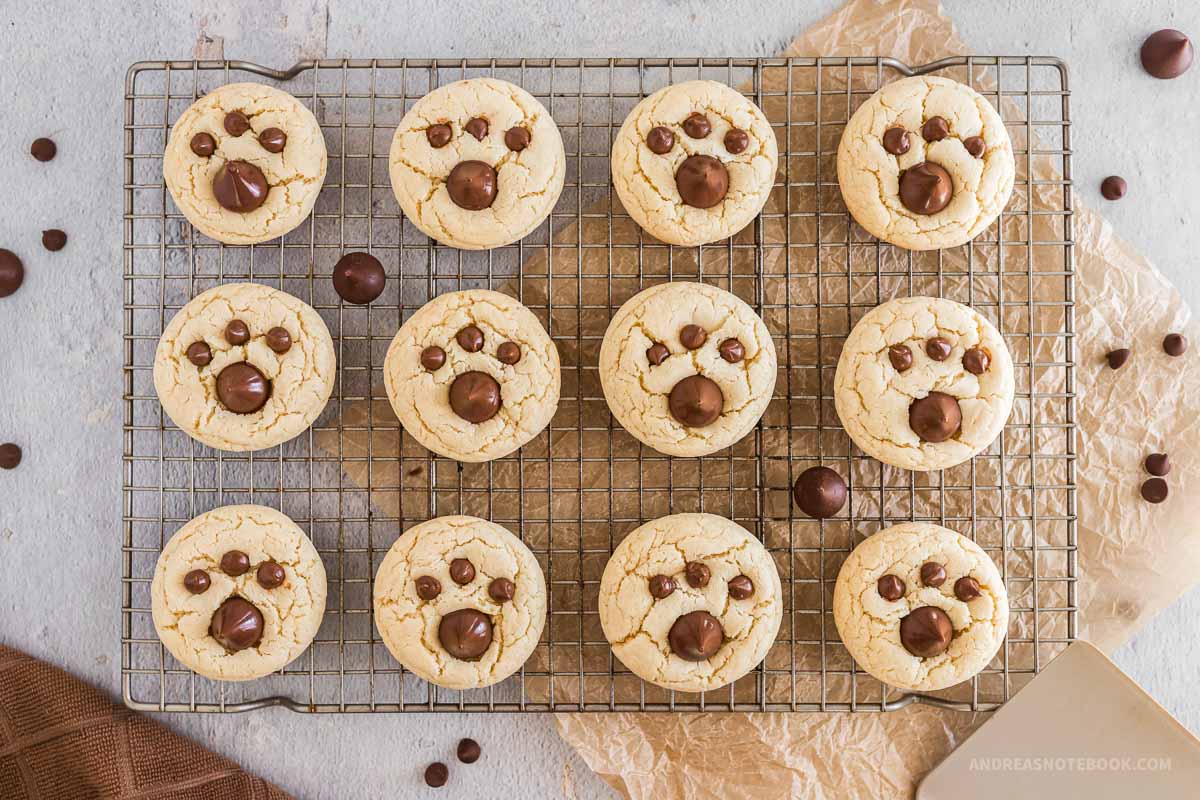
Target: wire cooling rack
355 481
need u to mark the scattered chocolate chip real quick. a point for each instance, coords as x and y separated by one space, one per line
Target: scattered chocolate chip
660 140
475 396
736 141
1113 187
693 336
477 127
270 575
12 272
966 589
935 129
433 357
926 632
697 574
358 278
895 141
975 146
10 455
1158 464
976 360
237 332
696 401
661 586
1154 490
235 563
657 353
470 339
502 590
199 353
696 636
741 587
508 353
428 587
472 185
731 350
702 181
462 571
236 123
1166 54
516 139
436 775
273 140
197 581
468 751
203 145
240 186
890 587
438 135
819 492
279 340
933 574
236 625
1174 344
935 417
900 356
926 188
938 348
1117 358
466 633
43 149
697 126
242 388
54 240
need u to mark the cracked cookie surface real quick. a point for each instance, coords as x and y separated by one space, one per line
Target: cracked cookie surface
664 323
293 385
870 174
875 400
448 566
730 130
870 623
674 567
429 397
291 609
294 173
506 135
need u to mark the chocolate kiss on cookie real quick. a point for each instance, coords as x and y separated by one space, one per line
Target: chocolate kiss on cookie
696 636
240 186
466 633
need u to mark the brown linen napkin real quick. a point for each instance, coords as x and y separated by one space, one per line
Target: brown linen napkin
60 738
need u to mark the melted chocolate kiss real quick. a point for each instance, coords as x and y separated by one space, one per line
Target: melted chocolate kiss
935 418
466 633
236 624
240 186
475 396
702 181
926 188
472 185
696 401
242 388
926 632
696 636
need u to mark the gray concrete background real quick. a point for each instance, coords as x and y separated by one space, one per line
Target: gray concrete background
61 72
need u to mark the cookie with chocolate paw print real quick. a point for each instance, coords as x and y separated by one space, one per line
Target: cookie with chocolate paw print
244 367
687 368
238 593
694 162
920 607
925 163
923 383
460 601
477 164
473 375
690 602
245 163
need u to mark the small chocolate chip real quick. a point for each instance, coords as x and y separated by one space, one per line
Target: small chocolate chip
235 563
197 581
976 360
890 587
1154 490
502 590
508 353
54 240
43 149
462 571
693 336
900 356
10 455
935 129
438 135
428 587
731 350
657 353
933 574
697 574
477 127
819 492
433 357
1117 358
12 272
1158 464
736 141
237 332
660 140
1174 344
199 353
966 589
516 139
236 123
1113 187
895 141
741 587
697 126
273 140
203 145
279 340
661 586
468 751
975 146
470 339
270 575
436 775
938 348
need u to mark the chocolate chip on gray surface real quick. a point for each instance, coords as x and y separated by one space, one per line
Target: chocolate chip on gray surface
935 129
273 140
502 590
1158 464
1167 54
938 348
1174 344
935 417
475 396
736 141
976 360
731 350
236 624
199 353
54 239
438 135
517 139
741 587
660 140
508 353
436 775
428 587
661 586
197 581
358 278
462 571
10 455
279 340
933 574
657 353
967 589
472 185
1117 358
975 145
466 633
240 186
900 356
236 123
433 358
12 272
697 573
237 332
242 388
693 336
702 181
890 587
270 575
819 492
1113 187
697 125
926 632
696 401
696 636
477 127
1154 490
895 141
470 339
235 563
43 149
468 751
203 144
926 188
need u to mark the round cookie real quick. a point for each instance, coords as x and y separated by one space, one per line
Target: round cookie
925 163
245 163
920 607
687 368
694 162
460 602
246 574
690 602
473 375
244 367
902 405
477 164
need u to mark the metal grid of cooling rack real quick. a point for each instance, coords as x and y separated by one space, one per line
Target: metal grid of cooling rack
355 481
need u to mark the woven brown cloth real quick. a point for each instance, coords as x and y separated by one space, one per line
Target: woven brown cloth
60 738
